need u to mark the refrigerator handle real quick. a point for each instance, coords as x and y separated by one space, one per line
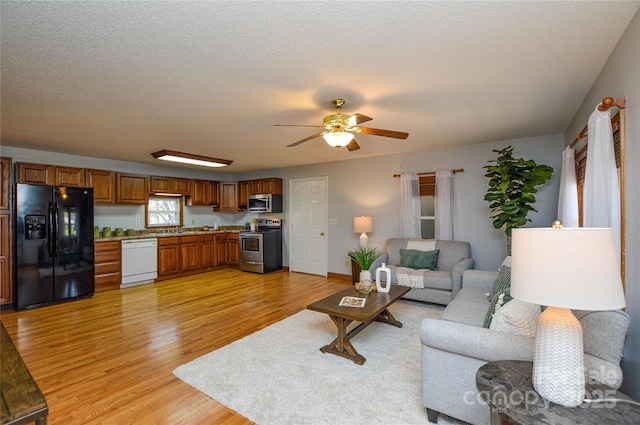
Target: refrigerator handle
56 244
50 231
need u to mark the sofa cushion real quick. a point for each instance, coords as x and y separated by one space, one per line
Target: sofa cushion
469 307
498 300
393 247
438 279
516 317
416 259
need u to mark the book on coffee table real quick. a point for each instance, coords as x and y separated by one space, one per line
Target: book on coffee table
352 302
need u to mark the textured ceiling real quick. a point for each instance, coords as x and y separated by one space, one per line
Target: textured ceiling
120 80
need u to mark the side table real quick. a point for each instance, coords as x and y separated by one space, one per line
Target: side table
508 389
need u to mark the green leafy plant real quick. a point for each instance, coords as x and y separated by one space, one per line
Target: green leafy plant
364 256
512 185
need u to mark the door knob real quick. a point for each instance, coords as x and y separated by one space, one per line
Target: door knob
321 233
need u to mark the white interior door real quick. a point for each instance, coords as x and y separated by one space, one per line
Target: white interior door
309 218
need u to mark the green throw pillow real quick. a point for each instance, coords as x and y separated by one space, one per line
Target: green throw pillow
416 259
502 282
499 299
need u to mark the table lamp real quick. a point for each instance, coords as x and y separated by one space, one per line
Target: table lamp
563 269
363 225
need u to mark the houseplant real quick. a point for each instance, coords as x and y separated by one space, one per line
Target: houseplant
364 257
512 185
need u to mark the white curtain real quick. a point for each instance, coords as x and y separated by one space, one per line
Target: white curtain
409 206
568 200
601 192
445 206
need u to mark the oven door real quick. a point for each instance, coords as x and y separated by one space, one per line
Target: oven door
251 252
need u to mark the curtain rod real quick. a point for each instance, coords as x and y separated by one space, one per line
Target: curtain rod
428 173
607 103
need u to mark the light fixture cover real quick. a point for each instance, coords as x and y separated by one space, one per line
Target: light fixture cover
362 224
188 158
575 268
338 139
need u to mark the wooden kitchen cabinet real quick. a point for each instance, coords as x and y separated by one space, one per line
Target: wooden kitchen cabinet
70 176
173 185
221 249
203 192
243 194
270 185
189 253
168 256
5 183
207 251
5 260
104 186
228 197
132 189
108 265
35 173
233 256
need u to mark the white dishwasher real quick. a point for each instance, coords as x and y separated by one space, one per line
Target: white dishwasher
139 261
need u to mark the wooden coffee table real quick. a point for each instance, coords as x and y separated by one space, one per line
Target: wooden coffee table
375 310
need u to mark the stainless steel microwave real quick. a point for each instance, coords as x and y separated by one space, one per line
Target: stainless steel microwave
265 203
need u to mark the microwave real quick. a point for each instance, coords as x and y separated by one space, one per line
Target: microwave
265 203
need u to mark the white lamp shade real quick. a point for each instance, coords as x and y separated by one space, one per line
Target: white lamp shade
362 224
338 138
575 268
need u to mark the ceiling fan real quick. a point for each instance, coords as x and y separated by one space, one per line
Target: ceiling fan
339 129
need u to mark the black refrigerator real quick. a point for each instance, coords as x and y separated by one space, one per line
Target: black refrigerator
53 244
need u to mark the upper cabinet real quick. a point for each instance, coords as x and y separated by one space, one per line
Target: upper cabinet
104 186
70 176
172 185
5 183
203 192
243 194
35 173
270 185
132 189
228 197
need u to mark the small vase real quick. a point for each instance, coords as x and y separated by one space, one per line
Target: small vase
365 285
365 275
387 287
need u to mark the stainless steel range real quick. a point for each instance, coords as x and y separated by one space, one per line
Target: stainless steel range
261 251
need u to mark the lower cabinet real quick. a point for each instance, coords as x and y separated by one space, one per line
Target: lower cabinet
168 256
108 265
233 249
189 253
207 251
221 249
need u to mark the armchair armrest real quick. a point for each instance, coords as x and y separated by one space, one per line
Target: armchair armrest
481 279
377 263
456 274
472 341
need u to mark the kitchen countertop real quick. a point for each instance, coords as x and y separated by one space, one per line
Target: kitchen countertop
162 235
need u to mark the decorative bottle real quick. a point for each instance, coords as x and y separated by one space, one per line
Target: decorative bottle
387 286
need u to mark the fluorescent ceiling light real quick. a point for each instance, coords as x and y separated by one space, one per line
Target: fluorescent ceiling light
338 139
188 158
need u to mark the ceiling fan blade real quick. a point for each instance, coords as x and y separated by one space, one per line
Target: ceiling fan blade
356 119
304 140
298 125
385 133
353 145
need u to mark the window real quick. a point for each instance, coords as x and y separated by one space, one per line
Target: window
427 207
164 211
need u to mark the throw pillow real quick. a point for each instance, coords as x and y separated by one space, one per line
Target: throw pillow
415 259
502 282
517 317
498 300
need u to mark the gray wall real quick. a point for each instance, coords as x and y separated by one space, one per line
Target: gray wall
621 77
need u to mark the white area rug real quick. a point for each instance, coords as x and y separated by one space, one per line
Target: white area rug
279 376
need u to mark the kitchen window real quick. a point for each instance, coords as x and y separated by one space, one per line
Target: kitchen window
164 211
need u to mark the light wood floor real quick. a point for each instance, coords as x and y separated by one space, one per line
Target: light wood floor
108 359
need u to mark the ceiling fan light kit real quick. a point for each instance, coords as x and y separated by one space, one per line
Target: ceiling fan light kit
339 129
338 139
188 158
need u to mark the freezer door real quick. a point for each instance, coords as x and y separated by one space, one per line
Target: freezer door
34 264
73 247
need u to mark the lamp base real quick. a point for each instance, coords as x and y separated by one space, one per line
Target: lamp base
558 373
364 240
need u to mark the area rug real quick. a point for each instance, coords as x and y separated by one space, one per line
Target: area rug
279 376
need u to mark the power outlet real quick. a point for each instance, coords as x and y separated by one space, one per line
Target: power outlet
137 223
193 221
346 263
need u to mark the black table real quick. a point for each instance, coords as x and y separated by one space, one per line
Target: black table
508 389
